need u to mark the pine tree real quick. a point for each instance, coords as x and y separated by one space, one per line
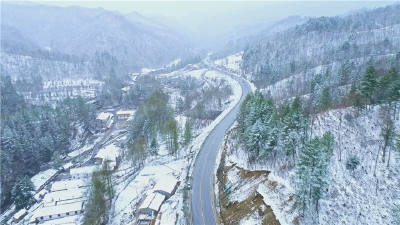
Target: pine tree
369 82
352 163
312 171
325 99
22 192
153 146
188 132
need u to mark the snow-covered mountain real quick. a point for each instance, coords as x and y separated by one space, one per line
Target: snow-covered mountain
135 40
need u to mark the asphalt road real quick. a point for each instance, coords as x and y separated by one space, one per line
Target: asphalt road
97 146
202 196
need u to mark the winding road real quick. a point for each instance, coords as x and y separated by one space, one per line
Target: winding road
202 186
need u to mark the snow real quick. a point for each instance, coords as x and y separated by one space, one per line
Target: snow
131 190
64 195
59 209
162 150
237 94
110 152
196 73
231 62
41 178
126 89
176 61
153 201
83 170
124 112
40 194
169 211
147 70
68 184
67 165
166 184
80 151
104 116
19 214
68 220
359 196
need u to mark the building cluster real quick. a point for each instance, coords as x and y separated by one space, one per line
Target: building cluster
105 120
149 208
66 197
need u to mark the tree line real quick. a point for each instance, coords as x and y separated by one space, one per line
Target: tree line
268 134
31 134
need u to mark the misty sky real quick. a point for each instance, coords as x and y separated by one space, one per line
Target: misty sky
184 9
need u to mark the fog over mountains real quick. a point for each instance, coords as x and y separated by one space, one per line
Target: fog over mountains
133 39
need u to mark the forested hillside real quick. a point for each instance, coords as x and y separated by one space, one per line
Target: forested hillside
327 44
324 125
76 34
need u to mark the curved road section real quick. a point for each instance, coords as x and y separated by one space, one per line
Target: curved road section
202 190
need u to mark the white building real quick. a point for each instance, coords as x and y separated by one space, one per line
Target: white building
111 153
166 186
19 215
61 197
152 203
124 115
67 166
104 121
70 220
69 184
59 211
82 172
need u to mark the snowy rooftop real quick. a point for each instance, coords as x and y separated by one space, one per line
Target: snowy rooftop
110 152
59 209
104 116
68 165
41 178
126 88
40 193
64 195
19 214
153 201
83 170
68 220
68 184
166 184
122 112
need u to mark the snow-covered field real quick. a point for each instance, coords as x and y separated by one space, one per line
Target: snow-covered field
231 62
352 198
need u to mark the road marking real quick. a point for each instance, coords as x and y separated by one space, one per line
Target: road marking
201 178
214 130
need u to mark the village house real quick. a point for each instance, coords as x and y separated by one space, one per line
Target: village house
152 204
67 166
109 153
19 215
68 184
59 211
82 172
104 121
64 197
166 186
124 115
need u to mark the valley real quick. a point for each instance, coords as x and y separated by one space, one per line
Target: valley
238 116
